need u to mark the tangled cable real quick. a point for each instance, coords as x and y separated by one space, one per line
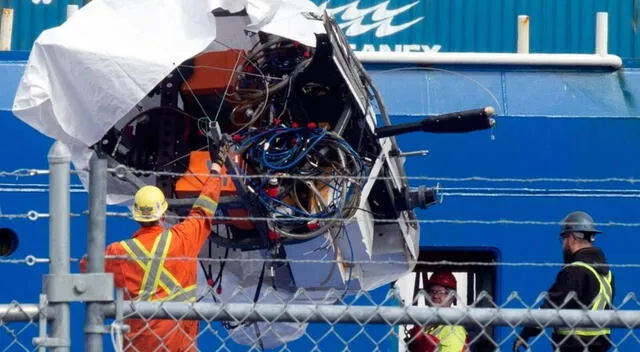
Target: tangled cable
269 62
303 208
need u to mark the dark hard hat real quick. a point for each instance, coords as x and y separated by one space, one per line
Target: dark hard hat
578 221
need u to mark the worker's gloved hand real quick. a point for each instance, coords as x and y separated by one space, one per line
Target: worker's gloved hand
520 342
219 154
83 264
219 144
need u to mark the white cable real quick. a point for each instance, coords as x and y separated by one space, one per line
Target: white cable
550 117
231 70
33 215
528 180
36 190
30 260
468 78
526 189
23 172
122 171
570 117
226 89
496 101
35 185
116 337
559 195
381 262
608 192
427 221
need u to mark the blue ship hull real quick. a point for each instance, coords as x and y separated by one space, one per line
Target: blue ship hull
552 123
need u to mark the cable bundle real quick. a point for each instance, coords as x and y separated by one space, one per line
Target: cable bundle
329 192
264 82
273 61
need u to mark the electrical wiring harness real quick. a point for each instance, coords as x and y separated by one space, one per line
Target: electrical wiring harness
299 206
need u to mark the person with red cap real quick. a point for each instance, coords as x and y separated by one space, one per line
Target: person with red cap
441 288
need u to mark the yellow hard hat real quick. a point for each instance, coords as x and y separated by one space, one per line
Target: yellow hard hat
149 204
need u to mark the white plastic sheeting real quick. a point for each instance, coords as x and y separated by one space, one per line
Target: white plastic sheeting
239 283
296 20
85 75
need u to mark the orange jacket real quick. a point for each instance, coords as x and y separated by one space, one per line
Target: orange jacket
165 279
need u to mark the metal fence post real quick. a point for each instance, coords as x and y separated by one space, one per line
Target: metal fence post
59 205
94 319
6 29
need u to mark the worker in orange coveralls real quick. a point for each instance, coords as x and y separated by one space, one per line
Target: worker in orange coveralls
163 279
441 288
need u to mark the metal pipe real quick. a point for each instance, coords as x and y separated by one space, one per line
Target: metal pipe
377 314
602 33
491 59
414 153
19 312
42 320
6 29
523 34
95 246
59 207
97 214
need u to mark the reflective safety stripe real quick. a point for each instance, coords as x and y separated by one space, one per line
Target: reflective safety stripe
186 295
155 273
205 203
602 299
152 274
584 332
435 331
167 281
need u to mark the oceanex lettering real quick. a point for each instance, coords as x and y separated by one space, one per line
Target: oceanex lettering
378 19
407 48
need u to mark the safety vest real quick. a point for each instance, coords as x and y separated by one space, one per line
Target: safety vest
156 274
445 338
602 300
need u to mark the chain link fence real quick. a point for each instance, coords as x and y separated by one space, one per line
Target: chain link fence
227 314
18 324
365 322
378 321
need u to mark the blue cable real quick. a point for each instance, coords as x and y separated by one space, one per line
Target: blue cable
282 155
283 165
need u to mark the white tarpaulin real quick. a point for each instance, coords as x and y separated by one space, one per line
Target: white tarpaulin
86 74
239 283
83 76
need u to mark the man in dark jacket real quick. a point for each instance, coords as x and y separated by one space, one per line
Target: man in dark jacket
587 275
